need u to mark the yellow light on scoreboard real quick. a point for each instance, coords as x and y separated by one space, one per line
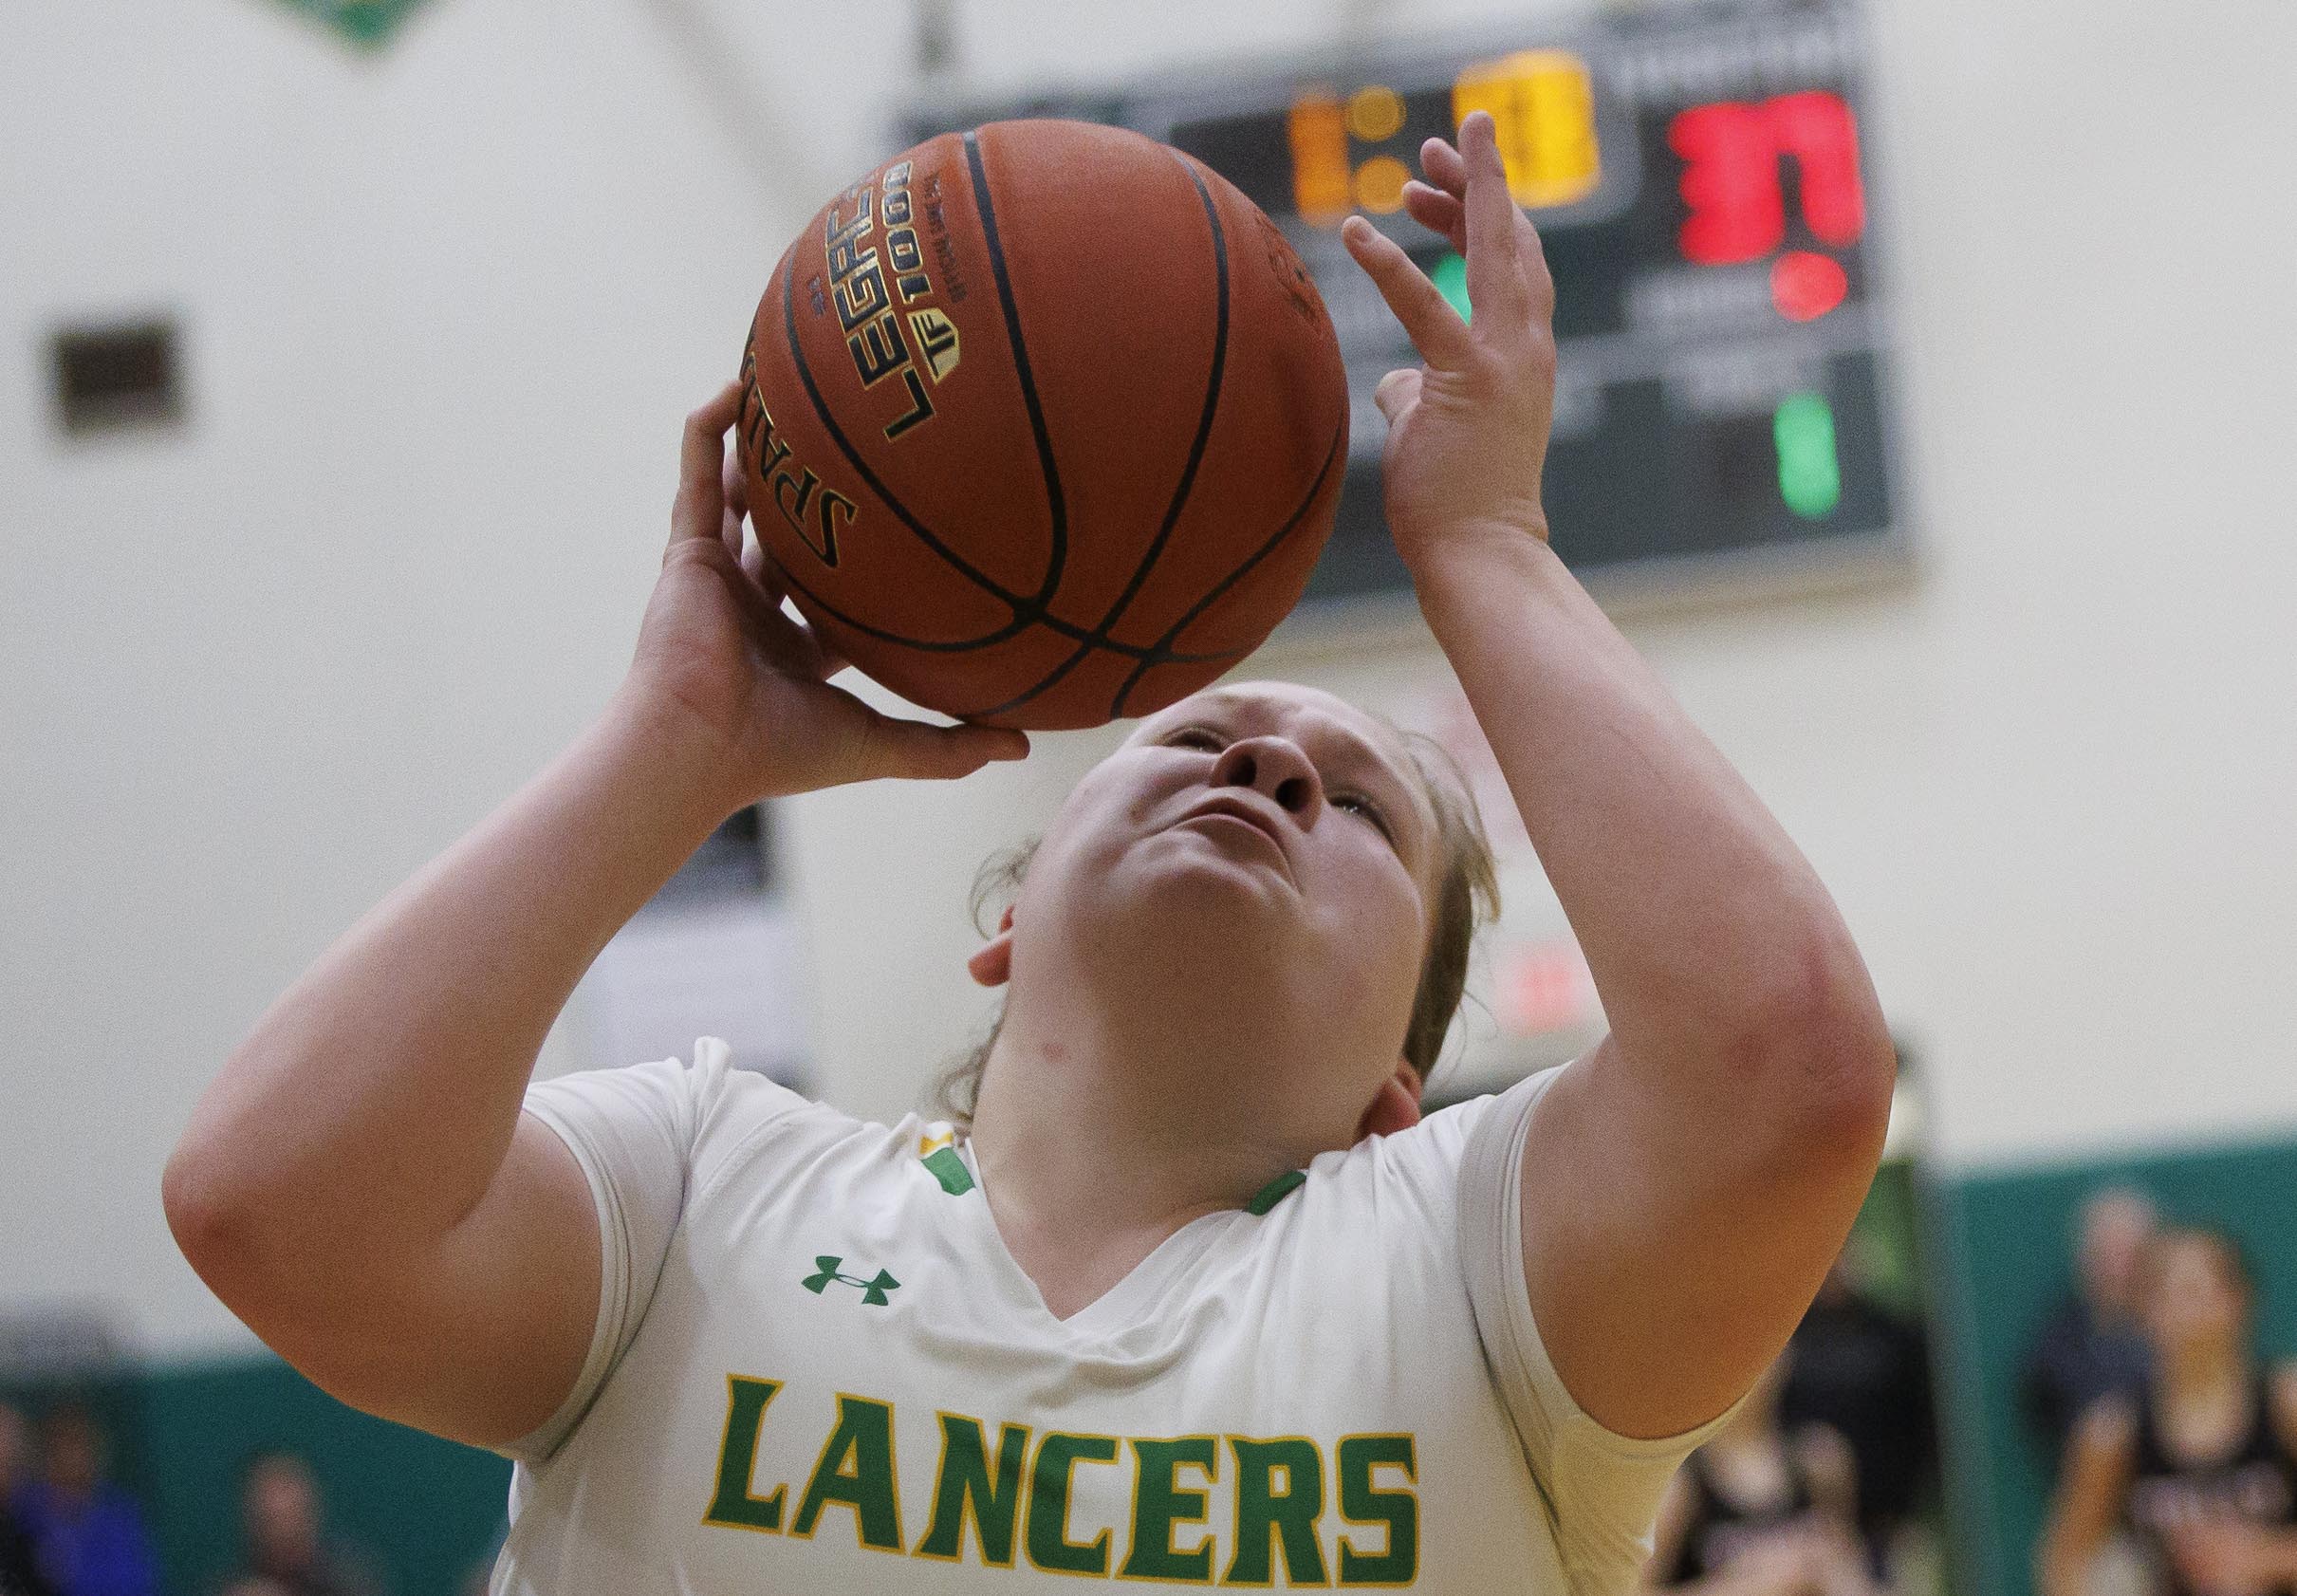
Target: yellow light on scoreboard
1543 106
1375 112
1380 184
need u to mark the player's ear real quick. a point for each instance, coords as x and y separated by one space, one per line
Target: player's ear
1397 1108
992 962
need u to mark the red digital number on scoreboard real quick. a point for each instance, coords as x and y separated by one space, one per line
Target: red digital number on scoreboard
1731 175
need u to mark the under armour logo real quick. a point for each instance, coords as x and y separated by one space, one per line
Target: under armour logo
873 1291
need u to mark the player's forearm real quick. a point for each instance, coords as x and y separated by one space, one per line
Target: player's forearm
1712 943
375 1100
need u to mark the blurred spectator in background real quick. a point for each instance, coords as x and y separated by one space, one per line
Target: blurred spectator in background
287 1548
1863 1370
87 1533
19 1575
2199 1465
1762 1511
2093 1344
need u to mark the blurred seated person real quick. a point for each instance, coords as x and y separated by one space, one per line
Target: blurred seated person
19 1575
2199 1465
1761 1511
87 1535
1863 1370
286 1546
2093 1344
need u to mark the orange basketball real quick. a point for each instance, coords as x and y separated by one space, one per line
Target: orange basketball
1045 424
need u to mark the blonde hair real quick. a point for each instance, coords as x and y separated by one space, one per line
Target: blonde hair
1467 897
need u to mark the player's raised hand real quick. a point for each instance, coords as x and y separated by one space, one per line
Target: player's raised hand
716 647
1468 431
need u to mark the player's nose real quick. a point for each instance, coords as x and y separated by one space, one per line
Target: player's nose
1275 768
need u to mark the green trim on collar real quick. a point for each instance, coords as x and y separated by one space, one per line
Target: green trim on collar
950 1170
1276 1191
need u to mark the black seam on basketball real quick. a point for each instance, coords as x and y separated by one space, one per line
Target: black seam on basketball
962 647
1332 453
1025 610
1099 638
1056 504
1129 651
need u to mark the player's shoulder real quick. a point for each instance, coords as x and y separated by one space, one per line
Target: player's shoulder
1418 1171
755 1130
1443 1137
721 1102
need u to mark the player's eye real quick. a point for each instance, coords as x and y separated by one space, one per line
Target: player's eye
1197 736
1357 803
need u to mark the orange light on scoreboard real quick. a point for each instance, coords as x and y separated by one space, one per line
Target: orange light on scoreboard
1321 189
1543 108
1541 101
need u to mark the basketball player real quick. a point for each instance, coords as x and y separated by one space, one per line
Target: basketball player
2199 1464
1198 1298
1763 1510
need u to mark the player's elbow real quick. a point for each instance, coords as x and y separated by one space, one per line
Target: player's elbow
202 1216
239 1237
217 1225
327 1315
1821 1053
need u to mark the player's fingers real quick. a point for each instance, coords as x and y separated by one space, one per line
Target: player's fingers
699 508
821 659
1396 394
1448 175
1495 274
810 656
1434 327
767 572
827 662
758 566
729 526
1445 170
920 752
1438 212
788 647
1532 256
1438 205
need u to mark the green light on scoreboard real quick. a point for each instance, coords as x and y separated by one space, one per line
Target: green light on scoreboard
1810 473
1451 280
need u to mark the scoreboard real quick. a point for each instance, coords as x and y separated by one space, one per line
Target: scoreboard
1699 179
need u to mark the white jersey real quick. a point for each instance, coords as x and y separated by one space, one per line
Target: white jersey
817 1368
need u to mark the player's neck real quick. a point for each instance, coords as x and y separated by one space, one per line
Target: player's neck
1093 1151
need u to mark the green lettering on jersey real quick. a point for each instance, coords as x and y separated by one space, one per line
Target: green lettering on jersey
1361 1504
1049 1547
1159 1505
1286 1517
856 1470
968 1484
733 1507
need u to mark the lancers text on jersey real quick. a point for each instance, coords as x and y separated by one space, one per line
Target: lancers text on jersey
996 1501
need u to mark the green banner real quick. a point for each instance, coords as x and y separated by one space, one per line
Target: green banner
363 22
